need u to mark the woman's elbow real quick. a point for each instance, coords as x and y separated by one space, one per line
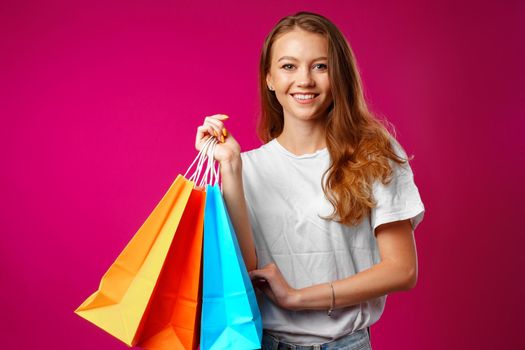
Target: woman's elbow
409 280
251 263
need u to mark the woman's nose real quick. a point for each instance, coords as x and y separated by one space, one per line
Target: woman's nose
304 78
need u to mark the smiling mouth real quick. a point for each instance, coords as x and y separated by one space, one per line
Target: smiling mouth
304 98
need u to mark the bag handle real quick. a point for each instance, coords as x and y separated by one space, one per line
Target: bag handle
211 175
205 154
199 164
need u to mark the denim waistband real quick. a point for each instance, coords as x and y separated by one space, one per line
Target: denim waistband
353 340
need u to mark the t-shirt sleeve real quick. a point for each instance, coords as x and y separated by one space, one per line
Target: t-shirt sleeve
399 199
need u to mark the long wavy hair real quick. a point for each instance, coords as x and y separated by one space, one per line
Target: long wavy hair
359 144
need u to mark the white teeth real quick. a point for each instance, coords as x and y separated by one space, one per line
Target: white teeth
303 97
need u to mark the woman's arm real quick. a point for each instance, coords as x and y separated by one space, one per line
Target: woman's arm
233 192
228 154
397 271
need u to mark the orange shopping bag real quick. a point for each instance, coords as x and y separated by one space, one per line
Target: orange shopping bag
150 295
173 319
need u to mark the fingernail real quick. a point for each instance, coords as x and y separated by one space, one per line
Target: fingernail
222 139
224 132
224 116
215 133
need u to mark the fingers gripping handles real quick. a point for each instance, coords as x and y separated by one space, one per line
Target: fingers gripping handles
206 172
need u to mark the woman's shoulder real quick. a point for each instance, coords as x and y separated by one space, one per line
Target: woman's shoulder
401 170
256 153
265 160
393 153
397 148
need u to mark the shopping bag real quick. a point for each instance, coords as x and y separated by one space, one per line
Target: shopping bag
230 315
174 315
150 294
173 318
120 303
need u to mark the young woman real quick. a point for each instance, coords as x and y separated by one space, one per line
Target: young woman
325 210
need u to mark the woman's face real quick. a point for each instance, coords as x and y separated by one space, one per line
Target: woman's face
299 74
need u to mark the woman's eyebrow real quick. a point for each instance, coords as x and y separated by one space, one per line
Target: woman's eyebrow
295 59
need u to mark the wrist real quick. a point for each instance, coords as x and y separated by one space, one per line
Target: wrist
293 301
231 165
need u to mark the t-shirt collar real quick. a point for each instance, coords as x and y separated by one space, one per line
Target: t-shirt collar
282 149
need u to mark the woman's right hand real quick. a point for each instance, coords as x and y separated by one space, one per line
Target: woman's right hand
227 148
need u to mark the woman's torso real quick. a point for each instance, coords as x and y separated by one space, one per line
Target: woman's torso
285 198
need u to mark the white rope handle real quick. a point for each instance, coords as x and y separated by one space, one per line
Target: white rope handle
211 173
200 159
215 169
205 157
204 178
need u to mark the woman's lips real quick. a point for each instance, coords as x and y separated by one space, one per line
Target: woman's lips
304 98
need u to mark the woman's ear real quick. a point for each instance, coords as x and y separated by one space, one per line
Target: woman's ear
269 82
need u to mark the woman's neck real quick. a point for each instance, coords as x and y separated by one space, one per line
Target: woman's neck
301 137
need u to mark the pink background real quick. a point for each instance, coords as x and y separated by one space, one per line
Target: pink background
99 102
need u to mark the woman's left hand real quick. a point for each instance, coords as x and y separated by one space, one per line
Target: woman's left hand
270 280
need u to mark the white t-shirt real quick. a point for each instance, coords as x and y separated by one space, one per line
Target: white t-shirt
284 197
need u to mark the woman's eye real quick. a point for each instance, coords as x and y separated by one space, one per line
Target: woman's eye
319 66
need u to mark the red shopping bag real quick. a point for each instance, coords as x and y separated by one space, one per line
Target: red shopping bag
150 295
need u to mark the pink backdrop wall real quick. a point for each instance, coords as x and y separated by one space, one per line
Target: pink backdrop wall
99 101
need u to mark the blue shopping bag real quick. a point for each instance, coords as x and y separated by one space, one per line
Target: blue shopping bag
230 315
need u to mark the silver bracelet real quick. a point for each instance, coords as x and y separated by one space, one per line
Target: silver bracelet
332 305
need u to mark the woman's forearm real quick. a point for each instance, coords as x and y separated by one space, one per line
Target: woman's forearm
381 279
233 193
